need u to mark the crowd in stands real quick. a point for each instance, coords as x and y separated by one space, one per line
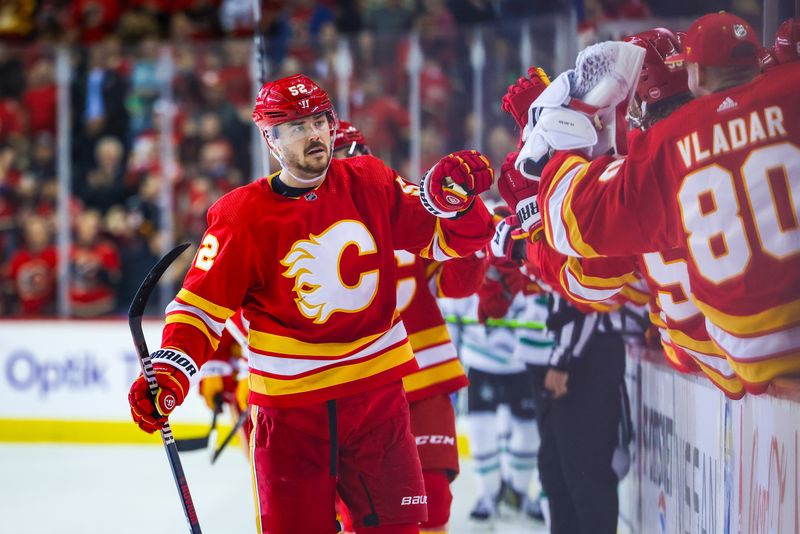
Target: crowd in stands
116 111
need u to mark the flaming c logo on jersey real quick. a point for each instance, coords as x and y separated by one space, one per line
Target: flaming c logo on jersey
315 264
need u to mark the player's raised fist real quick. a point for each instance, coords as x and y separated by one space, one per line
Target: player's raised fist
450 187
173 370
520 96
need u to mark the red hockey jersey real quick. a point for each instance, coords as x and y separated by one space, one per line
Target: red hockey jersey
687 345
419 283
720 177
316 279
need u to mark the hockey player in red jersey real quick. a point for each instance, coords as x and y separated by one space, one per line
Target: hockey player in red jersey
419 282
717 177
307 253
662 88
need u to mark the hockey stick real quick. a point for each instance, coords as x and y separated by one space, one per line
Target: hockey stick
208 441
135 313
260 43
239 422
500 323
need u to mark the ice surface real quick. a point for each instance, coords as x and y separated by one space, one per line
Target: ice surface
80 489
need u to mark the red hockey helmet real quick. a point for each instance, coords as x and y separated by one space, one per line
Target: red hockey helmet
288 99
787 42
347 135
661 78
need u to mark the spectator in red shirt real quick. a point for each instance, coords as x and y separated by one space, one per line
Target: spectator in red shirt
94 269
31 272
39 98
92 20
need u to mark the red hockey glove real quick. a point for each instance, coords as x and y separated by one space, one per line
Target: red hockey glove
216 380
508 244
450 187
520 96
521 194
173 370
498 290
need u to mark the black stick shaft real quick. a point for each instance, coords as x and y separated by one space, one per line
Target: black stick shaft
239 422
135 322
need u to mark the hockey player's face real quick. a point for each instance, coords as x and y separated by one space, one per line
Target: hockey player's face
306 143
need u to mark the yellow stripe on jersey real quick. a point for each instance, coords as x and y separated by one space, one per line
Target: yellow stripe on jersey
253 475
731 385
195 322
657 321
764 371
287 345
705 347
431 268
603 307
443 241
428 337
635 295
568 164
571 223
432 375
220 312
669 353
769 320
605 282
332 377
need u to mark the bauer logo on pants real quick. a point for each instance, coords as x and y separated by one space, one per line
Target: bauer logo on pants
414 499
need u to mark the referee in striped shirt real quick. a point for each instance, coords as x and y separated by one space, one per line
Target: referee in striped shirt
579 413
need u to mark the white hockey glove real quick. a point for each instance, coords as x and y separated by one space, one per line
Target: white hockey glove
578 109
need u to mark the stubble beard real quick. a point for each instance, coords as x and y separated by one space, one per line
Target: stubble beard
308 166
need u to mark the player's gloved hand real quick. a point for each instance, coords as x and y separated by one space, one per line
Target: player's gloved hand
497 292
580 109
216 380
243 393
508 243
173 370
450 187
519 97
521 195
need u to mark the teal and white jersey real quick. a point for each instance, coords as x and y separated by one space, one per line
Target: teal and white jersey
534 346
486 348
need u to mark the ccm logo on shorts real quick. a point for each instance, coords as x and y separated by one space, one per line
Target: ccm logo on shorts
435 440
414 499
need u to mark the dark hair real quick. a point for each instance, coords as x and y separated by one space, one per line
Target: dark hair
662 109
